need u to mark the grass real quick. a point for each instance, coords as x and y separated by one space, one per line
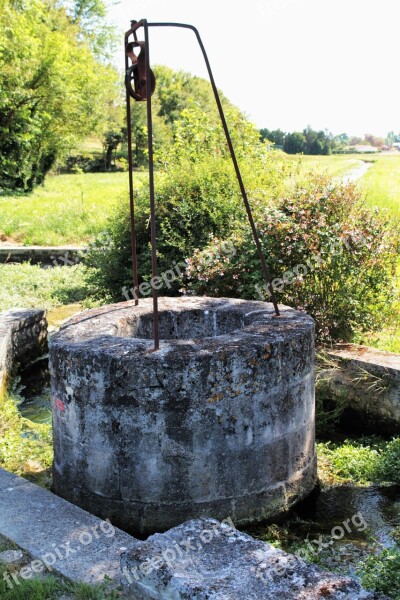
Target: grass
72 209
30 286
67 209
336 165
359 461
26 448
381 183
44 587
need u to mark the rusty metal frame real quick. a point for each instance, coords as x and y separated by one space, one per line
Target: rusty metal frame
135 25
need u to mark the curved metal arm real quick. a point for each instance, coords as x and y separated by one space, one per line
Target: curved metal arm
135 25
264 266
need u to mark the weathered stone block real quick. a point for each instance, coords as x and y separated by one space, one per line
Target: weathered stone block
367 381
207 560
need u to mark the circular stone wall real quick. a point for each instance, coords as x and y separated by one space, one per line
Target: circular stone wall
219 422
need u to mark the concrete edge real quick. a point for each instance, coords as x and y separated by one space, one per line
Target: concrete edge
58 535
23 335
44 255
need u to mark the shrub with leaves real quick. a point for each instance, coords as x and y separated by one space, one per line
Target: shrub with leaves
381 573
196 202
328 254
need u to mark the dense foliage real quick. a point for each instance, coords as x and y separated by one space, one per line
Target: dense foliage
54 88
197 199
328 255
175 93
381 572
363 461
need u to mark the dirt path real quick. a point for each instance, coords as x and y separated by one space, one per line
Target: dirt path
357 173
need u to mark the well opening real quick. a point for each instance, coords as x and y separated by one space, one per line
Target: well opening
187 324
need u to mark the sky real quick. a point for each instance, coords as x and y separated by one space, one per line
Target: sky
331 64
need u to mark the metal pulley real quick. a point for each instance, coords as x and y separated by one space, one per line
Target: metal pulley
135 76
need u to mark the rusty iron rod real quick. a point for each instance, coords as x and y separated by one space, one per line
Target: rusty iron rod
264 265
151 185
131 198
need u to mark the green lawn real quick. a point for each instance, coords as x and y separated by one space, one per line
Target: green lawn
30 286
336 165
381 184
68 209
72 209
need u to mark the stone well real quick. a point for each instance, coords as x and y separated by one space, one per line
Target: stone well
219 422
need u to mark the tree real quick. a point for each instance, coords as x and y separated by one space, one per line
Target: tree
317 142
355 140
295 143
90 18
180 102
277 136
54 90
373 140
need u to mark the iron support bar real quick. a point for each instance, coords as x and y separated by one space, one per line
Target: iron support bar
151 185
131 198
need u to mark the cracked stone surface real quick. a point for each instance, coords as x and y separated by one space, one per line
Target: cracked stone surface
219 422
11 557
208 560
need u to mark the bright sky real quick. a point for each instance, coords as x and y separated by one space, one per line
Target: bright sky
288 63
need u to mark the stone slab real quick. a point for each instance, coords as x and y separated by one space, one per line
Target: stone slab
202 559
207 560
366 356
71 541
368 381
23 337
44 255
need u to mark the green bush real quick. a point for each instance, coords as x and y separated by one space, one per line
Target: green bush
388 467
197 198
352 460
328 255
381 573
365 460
196 201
